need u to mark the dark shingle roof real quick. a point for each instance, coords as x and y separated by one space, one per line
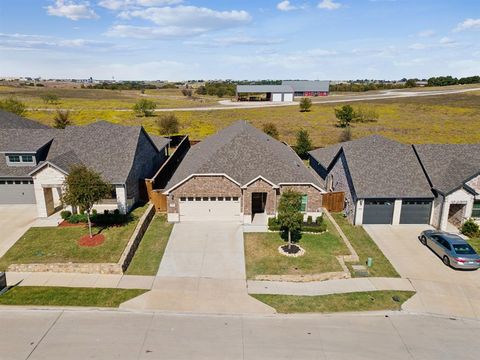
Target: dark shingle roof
244 153
325 156
25 140
380 167
159 141
104 147
12 121
448 166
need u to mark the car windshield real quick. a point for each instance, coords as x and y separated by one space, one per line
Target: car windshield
463 249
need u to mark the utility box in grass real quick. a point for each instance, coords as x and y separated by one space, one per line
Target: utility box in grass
3 281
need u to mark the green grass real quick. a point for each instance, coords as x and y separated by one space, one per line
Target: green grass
366 247
359 301
59 245
475 243
262 256
150 252
63 296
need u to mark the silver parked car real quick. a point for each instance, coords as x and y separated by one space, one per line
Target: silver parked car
452 249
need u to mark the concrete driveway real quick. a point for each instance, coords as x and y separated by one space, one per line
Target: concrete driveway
202 270
14 221
441 290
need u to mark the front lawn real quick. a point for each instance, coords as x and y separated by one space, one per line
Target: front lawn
358 301
262 256
63 296
59 244
475 243
365 248
150 252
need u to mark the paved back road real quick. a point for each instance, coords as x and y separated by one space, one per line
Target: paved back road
115 335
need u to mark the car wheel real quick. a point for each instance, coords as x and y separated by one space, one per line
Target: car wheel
423 240
446 260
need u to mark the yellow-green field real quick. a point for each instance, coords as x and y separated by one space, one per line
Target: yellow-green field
453 118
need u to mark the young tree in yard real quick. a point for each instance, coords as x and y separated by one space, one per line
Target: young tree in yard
345 115
61 119
289 216
168 124
83 188
304 144
14 106
271 130
144 107
305 104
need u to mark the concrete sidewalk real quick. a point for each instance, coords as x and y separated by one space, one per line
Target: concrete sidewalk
315 288
80 280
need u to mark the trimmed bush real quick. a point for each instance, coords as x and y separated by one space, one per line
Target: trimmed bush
309 220
65 214
470 228
317 227
314 228
319 220
273 224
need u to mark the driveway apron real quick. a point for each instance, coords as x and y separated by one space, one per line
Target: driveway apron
440 289
202 270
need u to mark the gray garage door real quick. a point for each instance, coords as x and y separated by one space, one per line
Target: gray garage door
415 212
17 192
378 211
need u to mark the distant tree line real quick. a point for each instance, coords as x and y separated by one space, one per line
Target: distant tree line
217 88
126 85
449 80
361 87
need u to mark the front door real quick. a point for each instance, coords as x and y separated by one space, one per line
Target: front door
259 201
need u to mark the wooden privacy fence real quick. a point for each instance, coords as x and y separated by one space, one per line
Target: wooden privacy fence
154 187
333 201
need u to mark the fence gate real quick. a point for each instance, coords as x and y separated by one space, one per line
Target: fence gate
334 201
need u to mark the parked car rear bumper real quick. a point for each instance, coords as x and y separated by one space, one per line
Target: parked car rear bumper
461 265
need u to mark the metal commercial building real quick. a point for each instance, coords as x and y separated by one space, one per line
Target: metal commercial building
274 93
308 88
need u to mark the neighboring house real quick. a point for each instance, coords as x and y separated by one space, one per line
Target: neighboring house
382 180
239 174
305 88
36 162
453 171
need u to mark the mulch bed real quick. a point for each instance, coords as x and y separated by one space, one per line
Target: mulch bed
293 249
65 223
88 241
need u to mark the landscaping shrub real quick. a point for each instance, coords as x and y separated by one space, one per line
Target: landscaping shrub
65 214
470 228
319 220
77 218
273 224
314 227
309 220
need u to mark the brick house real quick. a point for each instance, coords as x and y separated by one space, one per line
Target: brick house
239 174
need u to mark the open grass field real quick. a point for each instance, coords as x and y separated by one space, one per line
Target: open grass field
262 256
359 301
452 118
62 296
40 245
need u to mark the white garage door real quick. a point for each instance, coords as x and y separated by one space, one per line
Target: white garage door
209 208
287 97
17 192
276 97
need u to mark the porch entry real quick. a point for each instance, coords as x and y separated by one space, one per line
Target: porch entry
456 214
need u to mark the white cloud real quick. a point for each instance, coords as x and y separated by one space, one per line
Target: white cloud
178 21
468 24
329 5
234 41
446 41
285 6
426 33
28 41
123 4
71 10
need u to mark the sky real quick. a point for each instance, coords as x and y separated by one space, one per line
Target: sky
264 39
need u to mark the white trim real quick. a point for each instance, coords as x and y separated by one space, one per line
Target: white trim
300 184
167 192
258 178
41 166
